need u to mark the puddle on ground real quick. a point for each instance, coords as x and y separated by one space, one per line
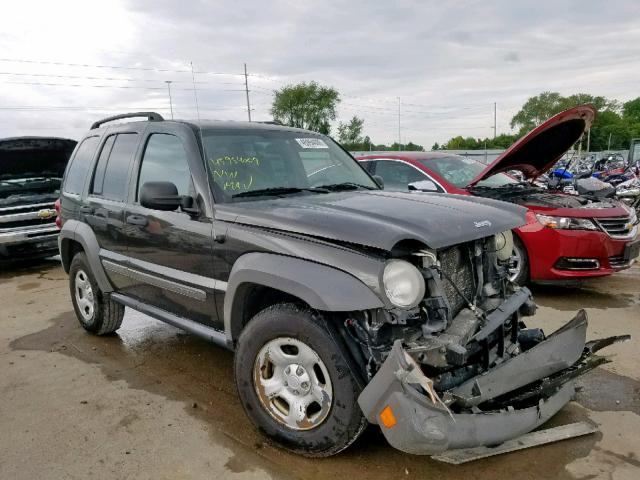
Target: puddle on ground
158 358
572 299
17 269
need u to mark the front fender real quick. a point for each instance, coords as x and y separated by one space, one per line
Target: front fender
321 287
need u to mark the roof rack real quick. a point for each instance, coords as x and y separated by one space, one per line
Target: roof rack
271 122
151 116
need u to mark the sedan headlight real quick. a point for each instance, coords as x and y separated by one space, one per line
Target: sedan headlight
403 283
566 223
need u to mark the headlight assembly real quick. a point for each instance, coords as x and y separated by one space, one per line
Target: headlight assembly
403 283
566 223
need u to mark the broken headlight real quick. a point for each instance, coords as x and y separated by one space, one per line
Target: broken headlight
566 223
403 283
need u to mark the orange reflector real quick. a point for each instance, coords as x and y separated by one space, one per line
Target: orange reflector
387 417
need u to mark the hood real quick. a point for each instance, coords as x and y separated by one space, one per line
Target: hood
34 156
542 147
379 219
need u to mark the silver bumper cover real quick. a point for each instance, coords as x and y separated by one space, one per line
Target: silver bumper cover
39 234
422 424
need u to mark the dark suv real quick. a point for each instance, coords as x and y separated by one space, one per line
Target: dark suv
344 303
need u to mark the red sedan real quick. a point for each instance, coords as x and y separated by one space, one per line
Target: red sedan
566 238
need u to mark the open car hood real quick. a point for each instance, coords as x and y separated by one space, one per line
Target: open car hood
542 147
34 156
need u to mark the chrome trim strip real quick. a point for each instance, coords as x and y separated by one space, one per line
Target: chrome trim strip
163 283
180 275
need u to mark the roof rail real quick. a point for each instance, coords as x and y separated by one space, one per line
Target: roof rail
151 116
271 122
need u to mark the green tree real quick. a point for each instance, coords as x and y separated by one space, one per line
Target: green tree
435 146
536 110
631 110
350 134
306 105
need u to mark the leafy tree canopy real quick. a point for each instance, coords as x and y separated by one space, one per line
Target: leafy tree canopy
614 126
306 105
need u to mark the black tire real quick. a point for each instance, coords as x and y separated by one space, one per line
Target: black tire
107 315
344 421
523 275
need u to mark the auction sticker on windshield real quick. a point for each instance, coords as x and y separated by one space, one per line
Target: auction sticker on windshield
311 142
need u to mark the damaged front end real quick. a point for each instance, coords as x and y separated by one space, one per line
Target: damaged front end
462 370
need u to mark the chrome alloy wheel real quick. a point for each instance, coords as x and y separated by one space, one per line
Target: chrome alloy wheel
84 295
292 383
515 263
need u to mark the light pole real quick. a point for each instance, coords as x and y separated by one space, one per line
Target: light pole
168 82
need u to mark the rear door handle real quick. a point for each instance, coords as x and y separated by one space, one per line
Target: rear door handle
136 220
87 210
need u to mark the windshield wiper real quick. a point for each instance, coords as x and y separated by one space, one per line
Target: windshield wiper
278 191
344 186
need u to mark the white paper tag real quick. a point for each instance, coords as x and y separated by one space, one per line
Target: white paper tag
311 142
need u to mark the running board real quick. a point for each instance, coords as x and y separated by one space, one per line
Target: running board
528 440
203 331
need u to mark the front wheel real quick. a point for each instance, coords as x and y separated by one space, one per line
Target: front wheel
519 263
295 384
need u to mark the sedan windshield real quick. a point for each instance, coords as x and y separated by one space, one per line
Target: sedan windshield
460 171
246 165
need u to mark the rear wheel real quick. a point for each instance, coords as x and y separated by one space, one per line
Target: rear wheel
519 263
295 384
95 313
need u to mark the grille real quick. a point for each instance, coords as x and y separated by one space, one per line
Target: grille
24 216
456 264
616 227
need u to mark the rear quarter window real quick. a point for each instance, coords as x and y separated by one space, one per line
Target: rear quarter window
80 165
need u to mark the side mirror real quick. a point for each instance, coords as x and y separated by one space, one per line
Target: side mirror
423 186
160 196
379 180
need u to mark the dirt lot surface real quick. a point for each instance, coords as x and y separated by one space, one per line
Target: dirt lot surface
154 402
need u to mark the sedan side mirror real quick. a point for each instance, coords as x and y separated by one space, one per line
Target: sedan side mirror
160 196
423 186
379 180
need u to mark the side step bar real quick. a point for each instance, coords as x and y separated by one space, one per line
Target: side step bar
208 333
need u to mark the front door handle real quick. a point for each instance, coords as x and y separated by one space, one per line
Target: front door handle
87 210
136 220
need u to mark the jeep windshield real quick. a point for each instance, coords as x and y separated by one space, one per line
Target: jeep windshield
460 171
249 165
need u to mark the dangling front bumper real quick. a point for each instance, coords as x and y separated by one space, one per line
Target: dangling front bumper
503 403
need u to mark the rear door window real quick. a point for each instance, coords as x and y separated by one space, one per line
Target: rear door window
111 177
80 165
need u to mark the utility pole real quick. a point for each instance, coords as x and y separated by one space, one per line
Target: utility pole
609 145
168 82
399 134
195 94
495 116
589 140
246 89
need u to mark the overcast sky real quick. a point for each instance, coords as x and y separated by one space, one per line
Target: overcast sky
447 61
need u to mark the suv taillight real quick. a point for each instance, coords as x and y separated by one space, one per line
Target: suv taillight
56 205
